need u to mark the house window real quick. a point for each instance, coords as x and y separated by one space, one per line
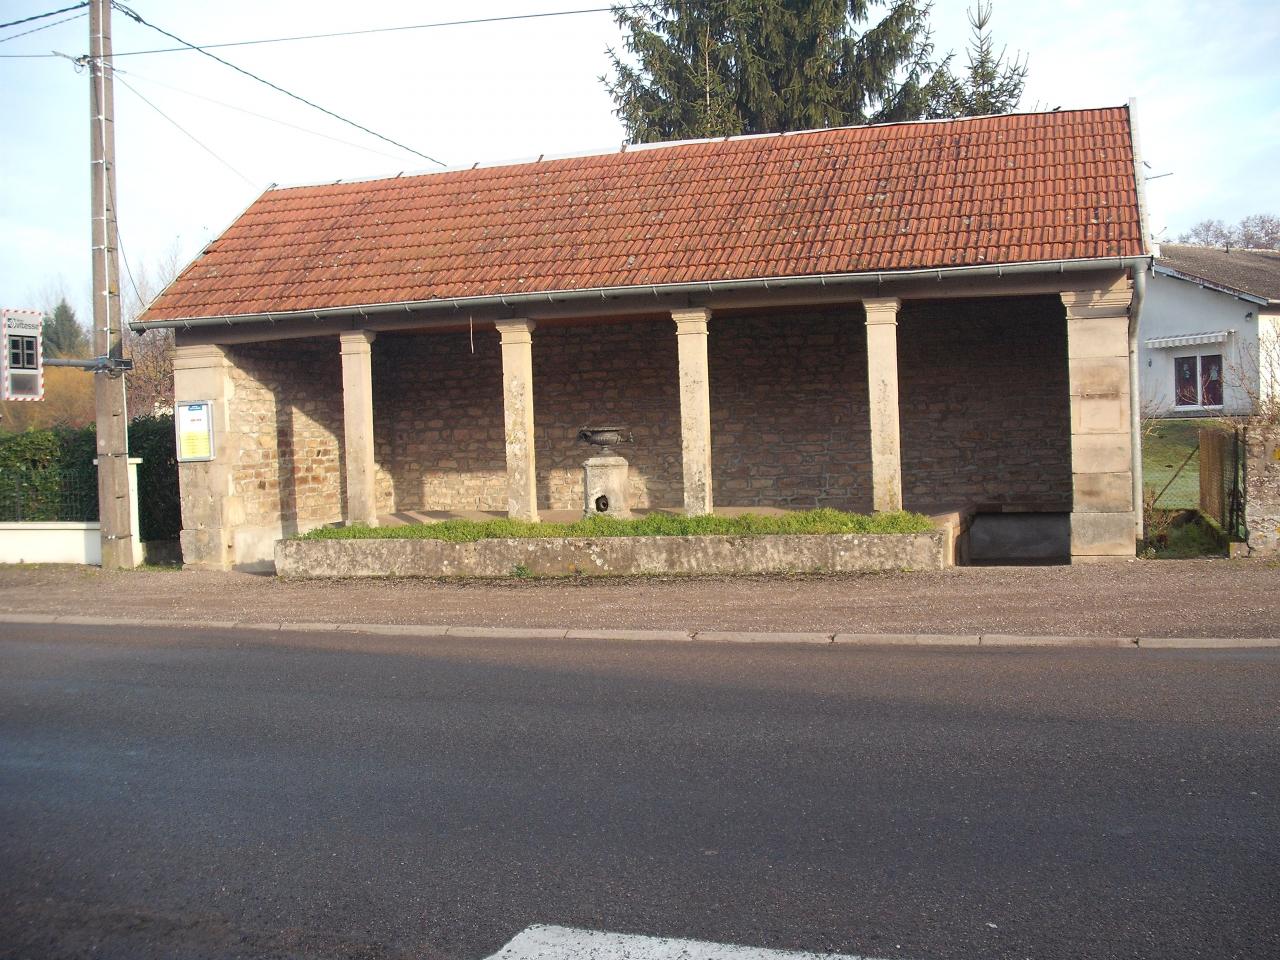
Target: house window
1197 381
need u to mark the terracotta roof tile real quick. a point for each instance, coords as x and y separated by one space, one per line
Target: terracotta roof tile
981 191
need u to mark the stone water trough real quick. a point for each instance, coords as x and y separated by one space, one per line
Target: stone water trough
616 556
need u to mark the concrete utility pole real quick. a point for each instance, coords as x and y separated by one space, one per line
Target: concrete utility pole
114 502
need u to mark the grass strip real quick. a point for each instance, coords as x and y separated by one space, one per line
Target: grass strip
808 522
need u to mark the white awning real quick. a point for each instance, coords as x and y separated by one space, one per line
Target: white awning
1190 340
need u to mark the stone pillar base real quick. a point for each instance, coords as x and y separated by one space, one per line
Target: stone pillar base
604 488
1099 537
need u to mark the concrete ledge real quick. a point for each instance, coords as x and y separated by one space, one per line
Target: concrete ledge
724 636
987 641
1203 643
1016 640
612 556
909 639
673 636
523 633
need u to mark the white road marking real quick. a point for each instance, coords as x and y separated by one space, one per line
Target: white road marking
569 943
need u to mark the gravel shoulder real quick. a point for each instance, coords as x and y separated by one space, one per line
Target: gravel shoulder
1193 598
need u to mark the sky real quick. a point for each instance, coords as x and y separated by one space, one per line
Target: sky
197 143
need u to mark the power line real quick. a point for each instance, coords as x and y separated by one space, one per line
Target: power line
253 76
358 33
342 33
44 26
262 116
41 16
186 132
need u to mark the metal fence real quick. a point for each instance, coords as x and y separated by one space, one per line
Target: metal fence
1221 479
42 495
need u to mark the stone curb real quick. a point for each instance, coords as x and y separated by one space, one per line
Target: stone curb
993 641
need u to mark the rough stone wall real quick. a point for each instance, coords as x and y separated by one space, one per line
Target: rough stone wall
604 376
437 421
287 399
789 420
438 414
984 396
1262 488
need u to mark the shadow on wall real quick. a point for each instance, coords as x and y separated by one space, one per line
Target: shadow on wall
437 416
985 401
790 425
290 465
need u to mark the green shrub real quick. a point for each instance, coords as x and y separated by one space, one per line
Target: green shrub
824 521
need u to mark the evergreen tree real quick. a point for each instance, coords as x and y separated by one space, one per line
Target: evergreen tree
706 68
63 335
992 84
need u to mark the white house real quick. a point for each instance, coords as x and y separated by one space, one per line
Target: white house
1210 332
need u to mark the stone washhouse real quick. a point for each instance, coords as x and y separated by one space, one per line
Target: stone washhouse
938 316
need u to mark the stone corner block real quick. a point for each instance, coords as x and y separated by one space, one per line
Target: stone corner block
1102 535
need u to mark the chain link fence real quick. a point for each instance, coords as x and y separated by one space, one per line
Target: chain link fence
1221 479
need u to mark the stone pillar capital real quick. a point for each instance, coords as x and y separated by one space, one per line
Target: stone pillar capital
1092 304
356 341
516 331
200 356
691 321
882 309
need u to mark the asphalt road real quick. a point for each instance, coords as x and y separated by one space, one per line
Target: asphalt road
211 794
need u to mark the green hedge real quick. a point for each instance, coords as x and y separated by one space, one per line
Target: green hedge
49 475
823 521
159 507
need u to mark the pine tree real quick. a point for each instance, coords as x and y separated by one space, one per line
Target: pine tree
706 68
63 335
992 84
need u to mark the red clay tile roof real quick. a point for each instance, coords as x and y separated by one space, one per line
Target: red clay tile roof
992 190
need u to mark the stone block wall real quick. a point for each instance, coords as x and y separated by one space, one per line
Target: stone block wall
1262 488
985 409
287 401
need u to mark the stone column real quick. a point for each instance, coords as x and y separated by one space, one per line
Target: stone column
517 401
695 408
357 422
1101 440
210 509
882 395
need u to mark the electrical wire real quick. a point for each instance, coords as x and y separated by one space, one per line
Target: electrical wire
359 33
44 26
41 16
262 116
253 76
209 150
345 33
